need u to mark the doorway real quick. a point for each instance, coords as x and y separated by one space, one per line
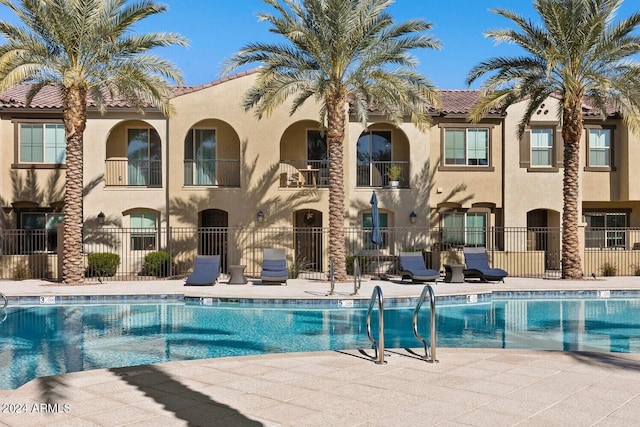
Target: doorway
309 240
543 234
213 234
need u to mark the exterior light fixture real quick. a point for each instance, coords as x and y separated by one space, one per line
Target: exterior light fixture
101 217
413 217
260 216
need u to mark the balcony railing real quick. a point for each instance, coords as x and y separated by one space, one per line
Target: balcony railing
137 173
217 173
376 174
304 173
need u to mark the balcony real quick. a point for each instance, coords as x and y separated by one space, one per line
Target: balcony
133 173
212 173
376 174
304 173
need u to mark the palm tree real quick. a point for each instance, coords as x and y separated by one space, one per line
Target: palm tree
577 54
340 52
86 49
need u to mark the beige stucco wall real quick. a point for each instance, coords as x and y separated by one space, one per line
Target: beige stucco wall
525 191
258 144
105 138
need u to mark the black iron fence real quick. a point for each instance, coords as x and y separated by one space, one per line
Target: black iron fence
141 254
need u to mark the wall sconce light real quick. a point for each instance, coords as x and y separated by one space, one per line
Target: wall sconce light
413 217
260 216
101 217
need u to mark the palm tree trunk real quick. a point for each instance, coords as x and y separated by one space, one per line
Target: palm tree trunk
336 121
75 119
571 134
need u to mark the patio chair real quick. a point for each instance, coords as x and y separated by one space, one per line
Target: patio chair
274 266
478 266
206 270
411 266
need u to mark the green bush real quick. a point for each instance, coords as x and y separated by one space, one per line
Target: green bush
21 271
364 262
609 269
102 264
157 264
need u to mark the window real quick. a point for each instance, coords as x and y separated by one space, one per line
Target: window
143 231
41 233
466 147
599 147
374 158
464 229
541 147
200 157
317 156
367 225
316 146
606 229
42 143
144 157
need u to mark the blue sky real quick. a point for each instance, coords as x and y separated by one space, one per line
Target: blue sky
216 29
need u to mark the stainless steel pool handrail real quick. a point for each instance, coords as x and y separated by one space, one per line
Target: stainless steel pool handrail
6 300
357 276
429 356
379 344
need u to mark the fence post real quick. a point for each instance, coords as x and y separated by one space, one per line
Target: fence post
59 249
169 249
582 238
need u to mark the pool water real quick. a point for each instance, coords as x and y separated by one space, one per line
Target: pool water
48 340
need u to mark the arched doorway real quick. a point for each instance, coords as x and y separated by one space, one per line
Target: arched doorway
308 238
543 234
213 231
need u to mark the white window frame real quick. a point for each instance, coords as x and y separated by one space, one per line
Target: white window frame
606 236
59 146
465 235
467 149
605 148
542 148
143 238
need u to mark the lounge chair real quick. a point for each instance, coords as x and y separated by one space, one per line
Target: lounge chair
274 266
411 266
206 270
478 266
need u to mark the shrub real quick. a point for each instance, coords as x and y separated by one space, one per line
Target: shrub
364 262
102 264
609 269
157 264
298 266
21 271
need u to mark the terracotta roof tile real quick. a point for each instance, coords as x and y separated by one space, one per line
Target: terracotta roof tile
459 102
453 102
48 98
183 90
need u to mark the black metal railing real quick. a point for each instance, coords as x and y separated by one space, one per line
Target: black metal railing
521 251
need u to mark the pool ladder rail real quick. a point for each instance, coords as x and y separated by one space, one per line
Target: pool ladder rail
379 344
429 354
357 276
4 306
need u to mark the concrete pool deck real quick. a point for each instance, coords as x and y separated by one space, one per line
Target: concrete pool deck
481 387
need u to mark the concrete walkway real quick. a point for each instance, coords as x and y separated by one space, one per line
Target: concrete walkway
481 387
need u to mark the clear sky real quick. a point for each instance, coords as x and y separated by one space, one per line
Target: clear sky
216 29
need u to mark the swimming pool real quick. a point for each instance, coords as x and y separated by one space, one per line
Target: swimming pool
53 339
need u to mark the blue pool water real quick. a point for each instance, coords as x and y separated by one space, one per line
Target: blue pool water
47 340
